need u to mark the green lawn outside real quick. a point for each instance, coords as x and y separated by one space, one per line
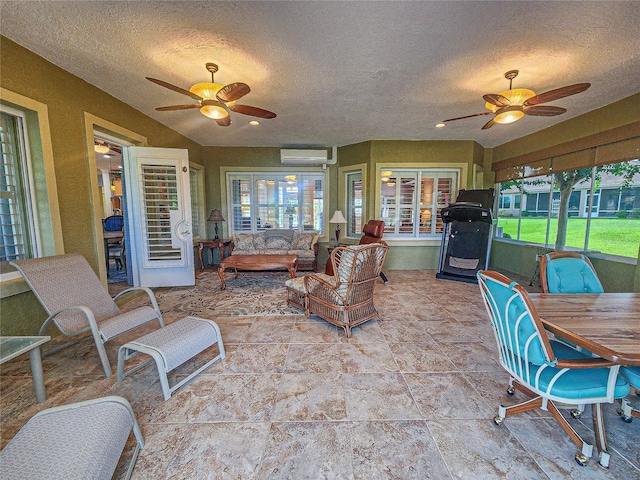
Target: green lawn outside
616 236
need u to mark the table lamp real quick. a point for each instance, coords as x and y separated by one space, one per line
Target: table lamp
215 216
338 218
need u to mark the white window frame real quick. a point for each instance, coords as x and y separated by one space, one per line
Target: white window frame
276 176
198 211
354 210
27 227
44 195
419 171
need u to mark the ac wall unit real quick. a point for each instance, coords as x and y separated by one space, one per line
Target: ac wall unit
303 157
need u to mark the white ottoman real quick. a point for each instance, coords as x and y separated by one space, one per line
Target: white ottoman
171 346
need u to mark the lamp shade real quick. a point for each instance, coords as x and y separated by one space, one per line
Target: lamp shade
338 217
215 216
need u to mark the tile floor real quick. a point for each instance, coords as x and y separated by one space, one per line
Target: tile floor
410 396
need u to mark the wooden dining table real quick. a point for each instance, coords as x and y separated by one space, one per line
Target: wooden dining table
606 324
109 237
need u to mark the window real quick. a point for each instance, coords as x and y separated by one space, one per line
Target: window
19 232
411 201
275 200
596 208
354 204
198 213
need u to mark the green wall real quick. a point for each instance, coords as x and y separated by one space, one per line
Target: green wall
67 97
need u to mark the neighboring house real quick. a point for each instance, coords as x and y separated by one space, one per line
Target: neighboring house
609 198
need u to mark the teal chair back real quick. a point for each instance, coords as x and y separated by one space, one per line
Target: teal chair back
519 333
531 358
568 272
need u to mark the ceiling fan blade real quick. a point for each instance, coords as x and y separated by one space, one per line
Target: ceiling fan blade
253 111
467 116
497 99
232 92
224 122
164 84
178 107
489 124
544 111
557 93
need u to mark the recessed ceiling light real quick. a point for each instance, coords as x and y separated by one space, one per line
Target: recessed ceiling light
254 123
440 125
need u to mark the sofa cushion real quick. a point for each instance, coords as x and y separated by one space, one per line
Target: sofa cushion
243 241
278 233
303 241
258 241
277 243
302 253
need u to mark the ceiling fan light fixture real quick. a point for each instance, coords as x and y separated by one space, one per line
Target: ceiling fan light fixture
206 90
213 109
101 148
440 125
516 96
509 114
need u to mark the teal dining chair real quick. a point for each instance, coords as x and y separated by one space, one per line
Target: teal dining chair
568 272
550 372
632 374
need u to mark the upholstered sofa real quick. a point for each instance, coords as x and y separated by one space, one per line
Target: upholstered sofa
279 242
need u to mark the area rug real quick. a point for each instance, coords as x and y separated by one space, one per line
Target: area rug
252 293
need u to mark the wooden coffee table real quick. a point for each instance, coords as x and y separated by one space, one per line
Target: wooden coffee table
257 262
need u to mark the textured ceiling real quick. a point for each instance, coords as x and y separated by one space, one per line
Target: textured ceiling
338 73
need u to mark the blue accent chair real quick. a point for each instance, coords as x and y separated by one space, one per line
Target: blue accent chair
114 223
548 371
568 272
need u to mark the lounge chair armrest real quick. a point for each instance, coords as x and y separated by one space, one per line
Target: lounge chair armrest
147 290
91 319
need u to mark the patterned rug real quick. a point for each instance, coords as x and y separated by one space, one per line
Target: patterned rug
252 293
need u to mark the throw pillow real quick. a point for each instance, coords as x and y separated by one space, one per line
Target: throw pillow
278 233
303 241
243 241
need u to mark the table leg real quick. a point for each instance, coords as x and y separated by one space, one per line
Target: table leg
221 275
36 372
601 435
292 271
200 256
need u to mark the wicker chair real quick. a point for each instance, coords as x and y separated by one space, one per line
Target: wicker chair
77 302
346 300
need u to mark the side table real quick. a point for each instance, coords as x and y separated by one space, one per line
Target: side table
220 244
11 347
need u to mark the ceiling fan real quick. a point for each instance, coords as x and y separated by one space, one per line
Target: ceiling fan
215 100
513 104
